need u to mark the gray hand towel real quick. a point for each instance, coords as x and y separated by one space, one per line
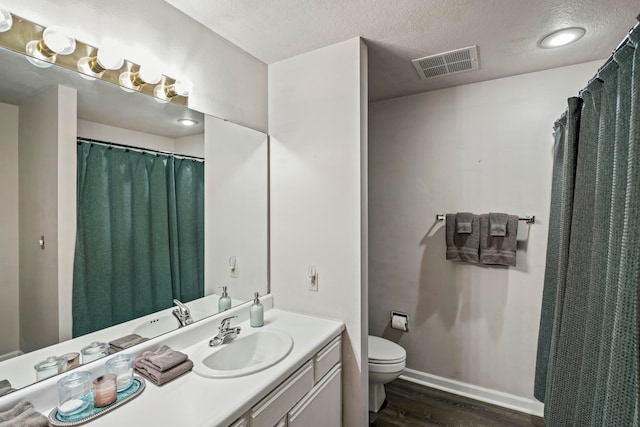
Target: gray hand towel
498 250
22 414
462 247
464 222
125 342
5 387
159 378
163 358
498 224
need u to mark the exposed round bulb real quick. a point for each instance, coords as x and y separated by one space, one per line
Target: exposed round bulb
160 94
109 60
56 40
35 57
182 88
149 75
562 37
6 20
125 82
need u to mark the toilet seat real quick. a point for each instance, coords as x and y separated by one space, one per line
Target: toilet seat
385 352
386 368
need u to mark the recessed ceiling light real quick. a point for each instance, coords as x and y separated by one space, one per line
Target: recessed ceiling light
562 37
187 122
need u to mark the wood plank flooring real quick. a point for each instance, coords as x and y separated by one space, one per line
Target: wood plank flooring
414 405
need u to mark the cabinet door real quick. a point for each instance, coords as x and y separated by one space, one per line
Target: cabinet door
322 406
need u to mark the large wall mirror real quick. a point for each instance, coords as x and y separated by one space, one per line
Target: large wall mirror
47 115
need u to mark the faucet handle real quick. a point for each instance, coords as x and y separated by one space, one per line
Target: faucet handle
226 322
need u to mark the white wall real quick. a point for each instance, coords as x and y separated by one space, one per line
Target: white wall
9 339
315 112
192 145
236 208
47 193
227 81
481 147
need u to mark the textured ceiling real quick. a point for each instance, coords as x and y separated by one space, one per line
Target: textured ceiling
396 31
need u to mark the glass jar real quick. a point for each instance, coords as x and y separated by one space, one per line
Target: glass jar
94 351
122 367
49 367
74 393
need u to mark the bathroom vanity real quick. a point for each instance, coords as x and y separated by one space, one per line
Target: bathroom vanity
303 386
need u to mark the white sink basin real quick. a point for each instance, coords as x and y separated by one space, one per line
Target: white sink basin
162 324
244 355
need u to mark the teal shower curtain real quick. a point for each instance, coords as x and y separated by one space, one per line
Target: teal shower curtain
140 235
587 364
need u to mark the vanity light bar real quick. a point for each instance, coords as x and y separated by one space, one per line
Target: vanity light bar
85 59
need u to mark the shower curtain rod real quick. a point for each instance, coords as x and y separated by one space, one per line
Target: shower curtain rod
529 219
622 44
140 149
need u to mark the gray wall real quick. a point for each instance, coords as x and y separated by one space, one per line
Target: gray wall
481 147
9 339
46 139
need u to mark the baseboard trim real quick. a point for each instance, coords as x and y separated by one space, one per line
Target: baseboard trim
506 400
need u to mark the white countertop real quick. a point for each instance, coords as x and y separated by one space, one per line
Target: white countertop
192 400
19 370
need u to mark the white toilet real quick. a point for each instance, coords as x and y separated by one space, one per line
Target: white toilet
386 363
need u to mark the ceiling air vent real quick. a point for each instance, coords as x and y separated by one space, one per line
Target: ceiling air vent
447 63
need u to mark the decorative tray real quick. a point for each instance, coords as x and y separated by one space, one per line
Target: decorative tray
91 412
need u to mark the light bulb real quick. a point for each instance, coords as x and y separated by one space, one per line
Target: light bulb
187 122
160 94
182 88
84 66
6 20
109 60
35 56
126 84
58 42
562 37
149 75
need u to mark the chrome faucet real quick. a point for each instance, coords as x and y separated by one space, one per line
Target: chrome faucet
225 332
182 313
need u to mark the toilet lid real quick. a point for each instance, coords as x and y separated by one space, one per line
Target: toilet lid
384 351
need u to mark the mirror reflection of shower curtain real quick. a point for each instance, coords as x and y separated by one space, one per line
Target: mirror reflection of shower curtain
587 364
140 235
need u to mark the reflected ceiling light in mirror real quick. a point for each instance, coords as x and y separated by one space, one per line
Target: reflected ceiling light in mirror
187 122
562 37
6 20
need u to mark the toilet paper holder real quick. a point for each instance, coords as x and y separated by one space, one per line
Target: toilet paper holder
398 320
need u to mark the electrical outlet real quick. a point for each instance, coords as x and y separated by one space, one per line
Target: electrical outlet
235 272
313 284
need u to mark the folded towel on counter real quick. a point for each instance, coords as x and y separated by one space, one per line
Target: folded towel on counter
163 358
464 222
498 224
125 342
462 247
22 414
158 377
5 387
498 250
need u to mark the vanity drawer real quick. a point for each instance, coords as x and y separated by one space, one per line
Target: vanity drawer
326 359
272 408
242 422
322 403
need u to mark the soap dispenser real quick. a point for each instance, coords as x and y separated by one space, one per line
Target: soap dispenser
224 303
256 313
